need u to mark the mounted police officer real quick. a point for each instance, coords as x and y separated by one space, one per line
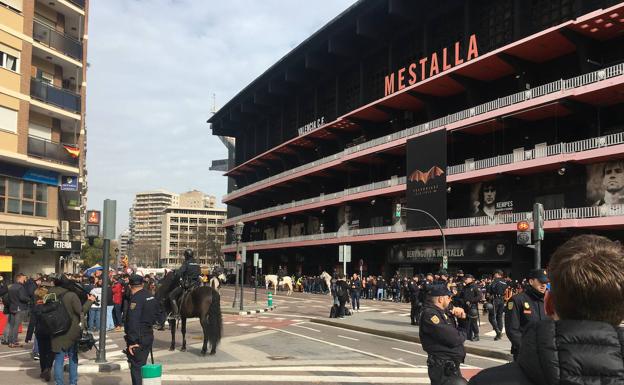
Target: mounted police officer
440 336
525 308
496 290
470 296
142 314
188 274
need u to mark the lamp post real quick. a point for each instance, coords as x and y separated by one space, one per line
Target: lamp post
439 227
238 232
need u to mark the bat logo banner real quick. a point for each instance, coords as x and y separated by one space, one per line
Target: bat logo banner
426 180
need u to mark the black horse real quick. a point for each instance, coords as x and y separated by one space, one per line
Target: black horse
203 302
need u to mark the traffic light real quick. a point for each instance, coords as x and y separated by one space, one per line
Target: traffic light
538 221
397 211
523 234
93 225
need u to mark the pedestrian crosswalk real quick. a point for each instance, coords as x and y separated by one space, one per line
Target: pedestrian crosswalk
112 348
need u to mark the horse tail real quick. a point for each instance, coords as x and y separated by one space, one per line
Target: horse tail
214 283
215 324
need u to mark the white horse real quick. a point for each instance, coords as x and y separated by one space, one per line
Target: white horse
215 282
272 280
327 278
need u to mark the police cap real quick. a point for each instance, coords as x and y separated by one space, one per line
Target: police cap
469 276
135 280
539 274
439 291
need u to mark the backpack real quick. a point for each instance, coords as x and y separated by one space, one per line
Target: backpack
54 319
333 313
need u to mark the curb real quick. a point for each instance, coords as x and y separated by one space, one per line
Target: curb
412 338
107 367
248 312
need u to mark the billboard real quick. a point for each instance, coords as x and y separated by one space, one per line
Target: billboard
605 183
426 179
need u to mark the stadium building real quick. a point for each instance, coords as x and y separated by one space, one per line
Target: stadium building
470 110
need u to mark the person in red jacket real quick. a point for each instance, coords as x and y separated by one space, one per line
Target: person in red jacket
118 291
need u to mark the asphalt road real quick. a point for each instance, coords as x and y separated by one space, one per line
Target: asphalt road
279 347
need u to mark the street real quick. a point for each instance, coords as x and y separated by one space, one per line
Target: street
281 346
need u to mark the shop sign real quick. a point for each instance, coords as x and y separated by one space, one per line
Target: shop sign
6 263
456 251
41 176
69 183
313 125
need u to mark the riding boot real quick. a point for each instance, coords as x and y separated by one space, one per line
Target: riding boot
174 309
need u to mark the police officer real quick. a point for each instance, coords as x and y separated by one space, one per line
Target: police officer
525 308
496 290
470 296
142 314
189 274
440 337
414 296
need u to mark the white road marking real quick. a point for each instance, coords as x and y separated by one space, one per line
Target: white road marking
254 378
348 369
279 318
305 327
348 338
414 353
242 325
259 327
404 315
346 348
11 354
228 322
388 312
16 368
366 310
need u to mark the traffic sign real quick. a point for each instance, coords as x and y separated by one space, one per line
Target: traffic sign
445 262
538 221
255 259
344 253
244 256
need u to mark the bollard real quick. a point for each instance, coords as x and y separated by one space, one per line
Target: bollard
269 299
152 374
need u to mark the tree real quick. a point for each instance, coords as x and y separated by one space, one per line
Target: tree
92 254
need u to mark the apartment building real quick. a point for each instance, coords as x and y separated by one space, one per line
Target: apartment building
124 238
516 101
43 188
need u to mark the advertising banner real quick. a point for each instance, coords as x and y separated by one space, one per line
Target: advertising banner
478 250
490 198
69 183
426 180
605 183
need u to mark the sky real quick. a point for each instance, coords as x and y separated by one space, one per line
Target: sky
153 68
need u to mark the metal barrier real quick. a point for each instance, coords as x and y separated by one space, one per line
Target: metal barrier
518 97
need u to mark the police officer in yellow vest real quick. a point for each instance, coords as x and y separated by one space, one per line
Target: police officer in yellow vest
525 308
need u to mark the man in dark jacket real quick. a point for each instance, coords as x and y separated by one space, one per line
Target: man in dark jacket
525 308
19 301
470 296
440 336
583 343
496 290
414 296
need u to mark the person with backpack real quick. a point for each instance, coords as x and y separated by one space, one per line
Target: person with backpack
69 317
342 295
42 338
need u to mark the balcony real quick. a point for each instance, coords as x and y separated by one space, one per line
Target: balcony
48 150
79 3
54 95
54 39
612 213
557 89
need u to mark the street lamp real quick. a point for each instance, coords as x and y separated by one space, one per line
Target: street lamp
238 232
439 227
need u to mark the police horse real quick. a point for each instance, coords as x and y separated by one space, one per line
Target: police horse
327 279
271 279
215 282
203 302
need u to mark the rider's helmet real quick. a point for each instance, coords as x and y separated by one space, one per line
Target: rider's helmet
188 254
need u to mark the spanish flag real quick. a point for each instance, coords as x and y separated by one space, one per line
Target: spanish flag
72 150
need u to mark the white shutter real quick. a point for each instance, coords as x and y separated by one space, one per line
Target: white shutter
8 119
39 131
17 4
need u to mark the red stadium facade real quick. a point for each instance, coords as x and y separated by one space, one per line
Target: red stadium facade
529 96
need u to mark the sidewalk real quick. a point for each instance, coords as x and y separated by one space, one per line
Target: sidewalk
389 325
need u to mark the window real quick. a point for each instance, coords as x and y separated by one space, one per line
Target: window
8 120
23 197
8 61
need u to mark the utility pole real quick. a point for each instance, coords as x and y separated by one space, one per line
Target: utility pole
108 233
538 228
444 256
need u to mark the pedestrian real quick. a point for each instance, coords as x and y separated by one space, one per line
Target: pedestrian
19 301
525 308
42 338
117 289
496 290
414 295
143 313
470 296
356 287
440 336
94 311
342 295
65 344
582 342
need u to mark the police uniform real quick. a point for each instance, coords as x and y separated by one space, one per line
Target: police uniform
189 273
470 296
496 290
414 294
524 309
142 314
441 339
